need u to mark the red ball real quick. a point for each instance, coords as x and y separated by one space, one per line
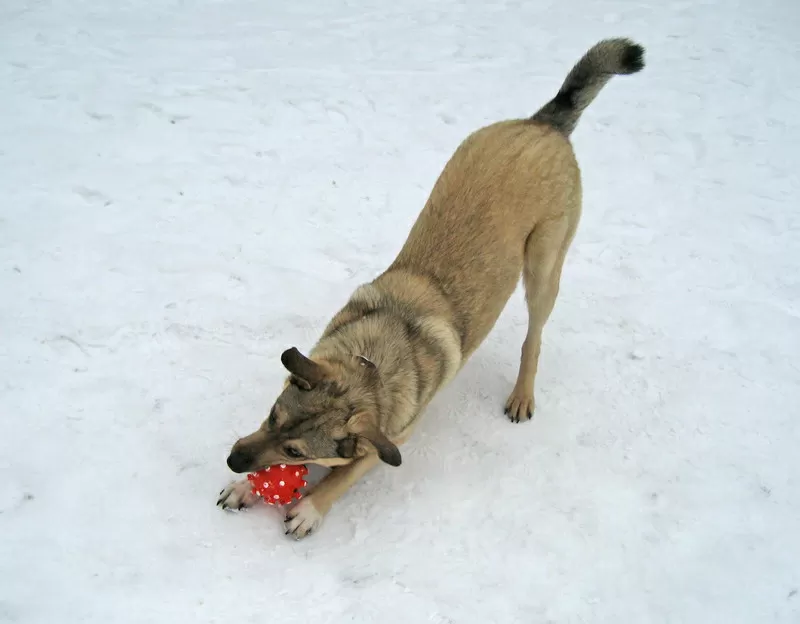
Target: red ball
279 485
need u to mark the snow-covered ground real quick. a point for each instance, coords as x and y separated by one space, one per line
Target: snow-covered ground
187 188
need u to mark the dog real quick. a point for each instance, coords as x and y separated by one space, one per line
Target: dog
506 204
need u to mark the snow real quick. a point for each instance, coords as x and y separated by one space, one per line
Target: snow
187 188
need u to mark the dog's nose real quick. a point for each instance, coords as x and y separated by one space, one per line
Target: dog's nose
240 461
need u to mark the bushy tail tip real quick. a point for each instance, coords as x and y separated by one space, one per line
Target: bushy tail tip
589 75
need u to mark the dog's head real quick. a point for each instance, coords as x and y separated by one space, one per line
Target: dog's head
326 415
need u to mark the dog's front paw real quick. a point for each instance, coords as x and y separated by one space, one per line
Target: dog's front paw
237 495
519 406
303 519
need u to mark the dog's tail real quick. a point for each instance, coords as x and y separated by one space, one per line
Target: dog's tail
604 60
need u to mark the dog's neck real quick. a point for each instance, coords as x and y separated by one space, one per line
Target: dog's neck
379 342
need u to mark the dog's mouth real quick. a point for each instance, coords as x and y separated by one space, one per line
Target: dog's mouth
242 461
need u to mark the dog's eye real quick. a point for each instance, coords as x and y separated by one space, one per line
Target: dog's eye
292 452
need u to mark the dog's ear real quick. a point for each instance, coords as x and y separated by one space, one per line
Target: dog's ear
387 451
368 369
363 425
305 372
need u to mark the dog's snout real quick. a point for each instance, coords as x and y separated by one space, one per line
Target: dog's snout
240 460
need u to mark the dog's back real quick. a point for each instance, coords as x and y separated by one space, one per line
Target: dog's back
470 238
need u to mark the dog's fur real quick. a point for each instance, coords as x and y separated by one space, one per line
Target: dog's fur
506 204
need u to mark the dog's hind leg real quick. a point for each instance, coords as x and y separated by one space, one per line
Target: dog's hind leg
545 251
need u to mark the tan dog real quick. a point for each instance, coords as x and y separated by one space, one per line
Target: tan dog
507 203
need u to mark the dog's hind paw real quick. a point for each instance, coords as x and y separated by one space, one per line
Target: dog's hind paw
519 407
237 495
